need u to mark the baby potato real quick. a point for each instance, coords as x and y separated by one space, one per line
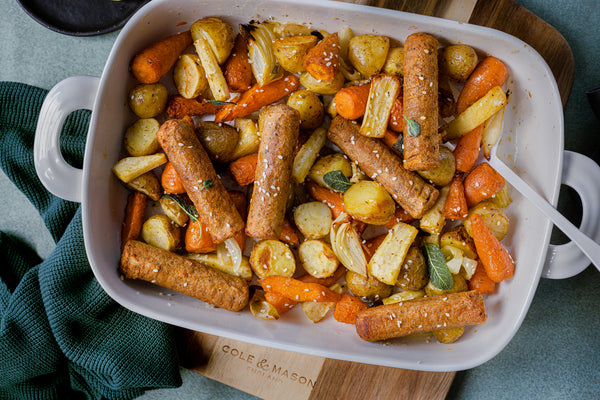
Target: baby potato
313 219
457 61
219 35
140 138
413 274
322 87
148 184
369 202
459 238
394 64
459 285
159 231
219 140
493 216
368 53
291 50
309 106
272 257
148 100
189 76
363 286
328 163
173 211
317 258
443 174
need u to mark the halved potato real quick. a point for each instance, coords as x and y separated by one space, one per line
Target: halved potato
317 258
148 100
140 138
368 53
328 163
148 184
363 286
394 63
313 219
493 216
129 168
272 257
173 211
159 231
291 50
387 260
459 237
442 175
248 138
369 202
218 34
310 107
189 76
322 87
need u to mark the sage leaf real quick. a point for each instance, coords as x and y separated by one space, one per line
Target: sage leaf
414 129
439 274
207 184
185 205
337 180
218 102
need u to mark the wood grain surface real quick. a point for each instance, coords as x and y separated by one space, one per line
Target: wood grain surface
276 374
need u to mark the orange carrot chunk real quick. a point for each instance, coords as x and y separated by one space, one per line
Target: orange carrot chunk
480 281
482 183
467 150
134 217
297 290
170 180
156 60
456 203
322 61
197 238
498 264
237 69
489 72
351 102
243 169
281 303
348 308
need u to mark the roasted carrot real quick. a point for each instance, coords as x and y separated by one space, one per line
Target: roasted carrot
241 204
480 281
134 217
297 290
396 121
400 215
237 69
489 72
351 102
334 200
243 169
281 303
180 107
170 180
370 246
257 97
155 61
327 282
391 138
498 264
288 233
456 203
348 308
198 239
466 151
482 183
322 61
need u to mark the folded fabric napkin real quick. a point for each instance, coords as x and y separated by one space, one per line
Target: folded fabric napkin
61 335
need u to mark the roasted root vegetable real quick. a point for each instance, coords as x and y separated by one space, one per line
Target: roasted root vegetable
386 262
237 69
189 76
272 257
170 180
347 309
316 311
480 281
155 61
297 290
317 258
290 51
322 61
140 137
129 168
198 239
219 140
310 107
368 53
413 273
159 231
456 203
172 210
458 61
369 202
351 101
135 212
466 151
248 138
179 107
261 308
305 158
433 220
482 183
328 163
148 184
384 90
322 87
394 62
218 35
477 113
443 174
490 72
368 287
243 169
214 73
313 219
148 100
492 128
496 260
493 216
216 260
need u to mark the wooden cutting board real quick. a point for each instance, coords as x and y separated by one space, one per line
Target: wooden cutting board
276 374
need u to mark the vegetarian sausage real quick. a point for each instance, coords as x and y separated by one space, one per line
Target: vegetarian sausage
198 176
421 315
281 126
192 278
378 161
421 150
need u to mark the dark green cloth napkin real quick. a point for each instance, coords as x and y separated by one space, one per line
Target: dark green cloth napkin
61 335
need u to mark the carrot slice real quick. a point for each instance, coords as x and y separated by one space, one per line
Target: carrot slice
482 183
179 107
237 69
134 217
156 60
498 264
197 238
281 303
322 61
456 203
489 72
480 281
170 180
351 102
467 150
348 308
297 290
243 169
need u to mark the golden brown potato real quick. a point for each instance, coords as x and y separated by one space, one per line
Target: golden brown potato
140 138
272 257
308 153
404 295
224 264
159 231
261 308
369 202
368 53
328 163
309 106
148 100
362 286
129 168
219 35
394 64
148 184
219 140
493 216
313 219
413 274
173 211
459 237
457 61
450 335
317 258
442 175
189 76
291 50
459 285
322 87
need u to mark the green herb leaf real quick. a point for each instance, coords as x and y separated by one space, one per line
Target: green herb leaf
207 184
337 180
185 205
439 274
275 69
218 102
414 129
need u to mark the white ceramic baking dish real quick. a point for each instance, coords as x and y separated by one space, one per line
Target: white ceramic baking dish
532 145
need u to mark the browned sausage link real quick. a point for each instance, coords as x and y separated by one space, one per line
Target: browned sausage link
376 159
198 176
281 125
172 271
421 315
421 152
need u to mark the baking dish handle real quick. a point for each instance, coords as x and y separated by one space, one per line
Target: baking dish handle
71 94
583 175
